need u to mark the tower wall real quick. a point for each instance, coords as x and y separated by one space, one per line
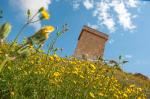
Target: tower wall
91 43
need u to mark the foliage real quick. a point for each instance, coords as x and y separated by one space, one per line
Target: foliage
37 77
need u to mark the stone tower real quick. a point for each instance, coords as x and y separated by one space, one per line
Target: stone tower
91 43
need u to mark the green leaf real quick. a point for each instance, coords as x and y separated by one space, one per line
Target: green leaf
125 62
29 13
1 14
120 57
58 33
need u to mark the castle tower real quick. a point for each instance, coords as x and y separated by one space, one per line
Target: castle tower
91 43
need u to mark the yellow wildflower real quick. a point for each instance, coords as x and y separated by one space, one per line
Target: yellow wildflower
1 52
44 32
51 58
30 46
129 90
56 74
92 94
12 93
92 67
75 72
101 94
81 76
132 86
47 29
140 89
32 62
45 14
125 95
116 96
55 56
139 98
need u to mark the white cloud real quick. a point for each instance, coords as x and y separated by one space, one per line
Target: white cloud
102 10
23 5
123 15
93 26
128 56
132 3
89 4
76 4
111 13
103 15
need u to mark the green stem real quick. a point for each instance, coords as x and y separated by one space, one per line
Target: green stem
3 64
51 45
35 21
16 38
19 33
23 27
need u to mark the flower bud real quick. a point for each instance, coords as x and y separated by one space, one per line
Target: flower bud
5 30
41 9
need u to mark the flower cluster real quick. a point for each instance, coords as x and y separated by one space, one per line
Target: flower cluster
41 76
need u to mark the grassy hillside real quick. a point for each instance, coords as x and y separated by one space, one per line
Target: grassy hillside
38 76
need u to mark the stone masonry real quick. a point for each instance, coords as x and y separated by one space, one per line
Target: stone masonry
91 43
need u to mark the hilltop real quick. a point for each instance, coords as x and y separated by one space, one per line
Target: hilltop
35 75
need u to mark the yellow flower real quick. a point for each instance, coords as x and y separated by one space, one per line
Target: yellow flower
129 90
81 76
32 62
125 95
116 96
46 30
139 98
56 74
101 94
1 52
51 58
12 93
56 57
75 72
92 67
92 95
45 14
132 86
140 89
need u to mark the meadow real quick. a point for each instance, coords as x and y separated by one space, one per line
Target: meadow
27 72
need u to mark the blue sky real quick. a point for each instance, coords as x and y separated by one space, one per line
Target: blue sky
128 30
